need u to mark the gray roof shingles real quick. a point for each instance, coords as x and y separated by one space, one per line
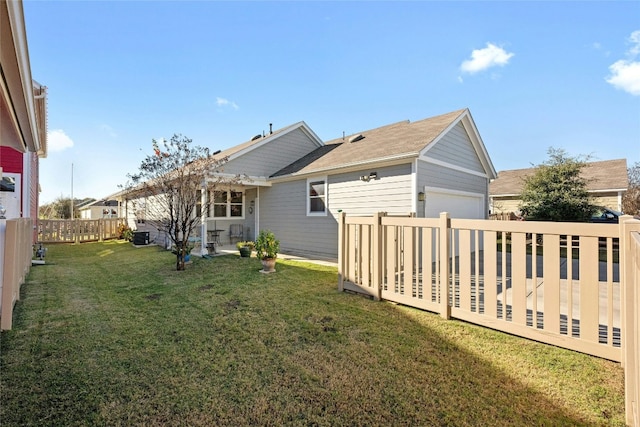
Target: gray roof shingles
402 139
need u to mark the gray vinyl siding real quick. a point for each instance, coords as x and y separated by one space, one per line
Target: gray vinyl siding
283 210
456 148
390 192
272 156
432 175
283 207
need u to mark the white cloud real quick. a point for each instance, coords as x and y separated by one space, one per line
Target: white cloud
222 102
625 73
57 140
482 59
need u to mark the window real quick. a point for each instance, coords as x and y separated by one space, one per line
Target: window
8 184
317 197
228 204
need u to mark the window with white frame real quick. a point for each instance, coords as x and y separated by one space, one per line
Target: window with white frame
228 204
317 196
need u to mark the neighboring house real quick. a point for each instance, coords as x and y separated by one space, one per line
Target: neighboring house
298 184
100 209
607 182
23 118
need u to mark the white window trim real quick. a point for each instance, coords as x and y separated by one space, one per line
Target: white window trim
211 205
326 196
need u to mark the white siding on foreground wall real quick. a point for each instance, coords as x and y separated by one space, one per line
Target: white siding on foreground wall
390 192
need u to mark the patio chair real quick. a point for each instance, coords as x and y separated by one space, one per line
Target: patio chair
235 232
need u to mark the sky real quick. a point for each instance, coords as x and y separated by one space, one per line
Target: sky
535 76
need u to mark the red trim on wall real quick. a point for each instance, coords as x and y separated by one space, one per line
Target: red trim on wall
11 160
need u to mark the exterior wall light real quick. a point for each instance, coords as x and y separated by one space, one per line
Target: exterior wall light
421 197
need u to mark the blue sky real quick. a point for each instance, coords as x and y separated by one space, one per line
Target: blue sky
533 74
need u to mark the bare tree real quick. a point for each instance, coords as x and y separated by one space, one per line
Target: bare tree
169 184
631 199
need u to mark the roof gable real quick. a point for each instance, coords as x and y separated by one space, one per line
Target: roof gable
401 140
258 141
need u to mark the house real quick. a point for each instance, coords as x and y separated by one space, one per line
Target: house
297 184
98 209
607 182
23 118
23 141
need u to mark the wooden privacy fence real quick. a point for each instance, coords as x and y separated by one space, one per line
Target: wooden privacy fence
631 323
15 261
557 283
78 230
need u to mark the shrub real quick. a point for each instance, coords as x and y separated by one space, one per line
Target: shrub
125 232
246 244
267 246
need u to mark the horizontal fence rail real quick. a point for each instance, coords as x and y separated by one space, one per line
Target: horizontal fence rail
78 230
558 283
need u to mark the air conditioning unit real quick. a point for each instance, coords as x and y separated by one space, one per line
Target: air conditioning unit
140 238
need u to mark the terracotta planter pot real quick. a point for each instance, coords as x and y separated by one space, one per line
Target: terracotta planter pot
268 265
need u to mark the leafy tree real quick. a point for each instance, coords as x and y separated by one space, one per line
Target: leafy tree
166 190
60 208
557 191
631 199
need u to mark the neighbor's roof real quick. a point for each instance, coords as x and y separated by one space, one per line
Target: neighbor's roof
395 141
608 175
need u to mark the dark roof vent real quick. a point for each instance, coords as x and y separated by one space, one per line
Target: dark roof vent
217 152
256 137
356 138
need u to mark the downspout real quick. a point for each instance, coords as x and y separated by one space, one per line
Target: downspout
257 213
203 218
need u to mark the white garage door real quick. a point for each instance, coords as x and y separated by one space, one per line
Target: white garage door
458 204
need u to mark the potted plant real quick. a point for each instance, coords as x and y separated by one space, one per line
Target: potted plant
267 247
245 248
187 251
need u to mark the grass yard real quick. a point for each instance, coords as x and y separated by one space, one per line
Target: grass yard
107 334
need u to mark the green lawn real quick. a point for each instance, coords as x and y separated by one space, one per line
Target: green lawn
107 334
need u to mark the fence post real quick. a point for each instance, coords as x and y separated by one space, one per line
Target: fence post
629 306
341 250
445 244
377 254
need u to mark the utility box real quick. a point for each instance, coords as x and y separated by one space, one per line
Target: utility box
140 238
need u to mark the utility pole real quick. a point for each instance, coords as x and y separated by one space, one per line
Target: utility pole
72 190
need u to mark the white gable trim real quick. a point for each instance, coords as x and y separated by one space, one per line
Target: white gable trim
452 166
474 136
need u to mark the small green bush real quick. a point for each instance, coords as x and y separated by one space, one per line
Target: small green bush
246 244
125 232
267 246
